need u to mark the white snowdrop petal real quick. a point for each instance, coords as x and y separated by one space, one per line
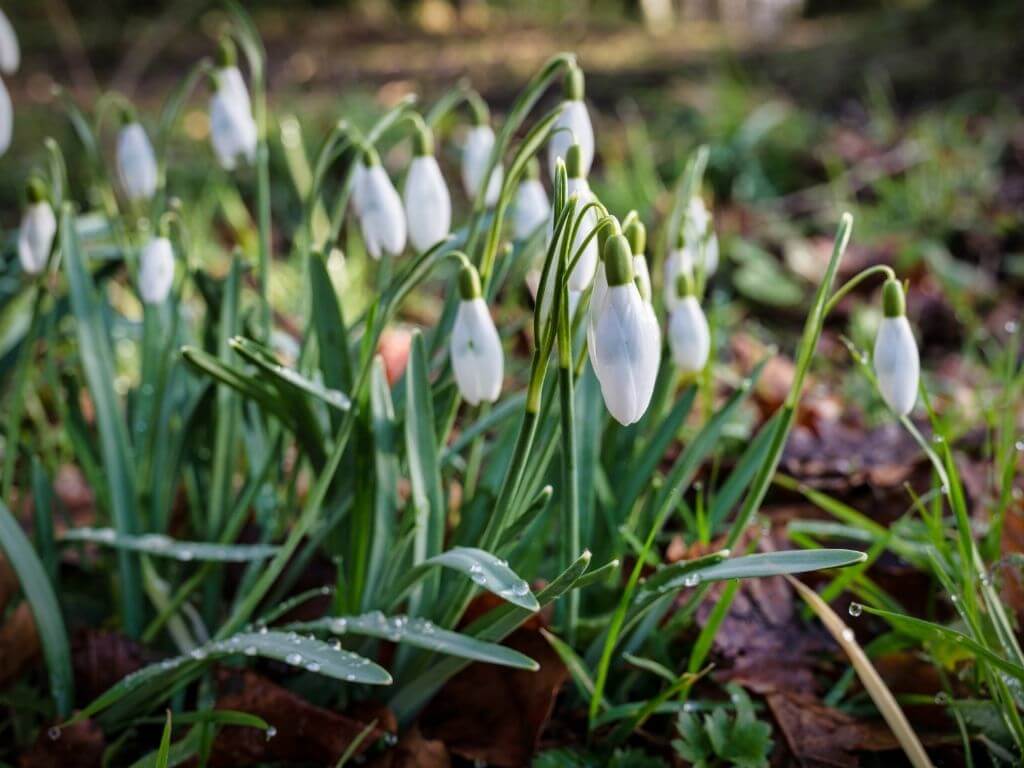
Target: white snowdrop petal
897 364
475 155
678 261
624 356
476 354
572 126
35 238
688 335
156 270
10 51
232 84
531 208
232 128
643 277
6 118
136 163
428 206
381 217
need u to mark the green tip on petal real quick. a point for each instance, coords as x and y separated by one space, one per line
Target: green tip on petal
370 156
423 141
35 189
618 260
684 284
893 302
636 233
573 84
574 162
227 54
532 168
608 226
126 114
469 283
681 238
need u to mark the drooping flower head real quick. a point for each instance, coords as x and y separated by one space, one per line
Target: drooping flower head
136 162
688 334
475 348
625 352
428 206
38 227
381 218
233 131
896 360
531 207
476 156
572 126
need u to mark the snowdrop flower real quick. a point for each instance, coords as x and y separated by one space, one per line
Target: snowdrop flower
476 154
531 207
700 233
136 162
6 118
896 360
572 126
624 353
636 235
381 218
428 206
477 359
10 51
358 175
232 126
697 244
10 58
38 227
583 272
688 334
156 270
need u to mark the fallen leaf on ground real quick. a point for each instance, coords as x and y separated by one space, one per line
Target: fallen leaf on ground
303 731
413 751
19 643
495 714
80 745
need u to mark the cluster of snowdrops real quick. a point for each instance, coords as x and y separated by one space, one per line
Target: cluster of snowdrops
606 256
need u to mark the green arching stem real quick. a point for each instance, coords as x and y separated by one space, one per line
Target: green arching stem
856 280
809 342
570 523
527 149
520 109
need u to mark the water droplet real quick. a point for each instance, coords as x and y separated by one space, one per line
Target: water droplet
263 630
335 645
250 650
691 580
340 626
294 658
856 609
185 555
271 732
954 598
198 654
312 667
350 676
937 439
847 635
941 698
54 733
1019 445
1011 326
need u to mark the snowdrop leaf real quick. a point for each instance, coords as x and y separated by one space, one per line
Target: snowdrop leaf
422 633
490 573
158 545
